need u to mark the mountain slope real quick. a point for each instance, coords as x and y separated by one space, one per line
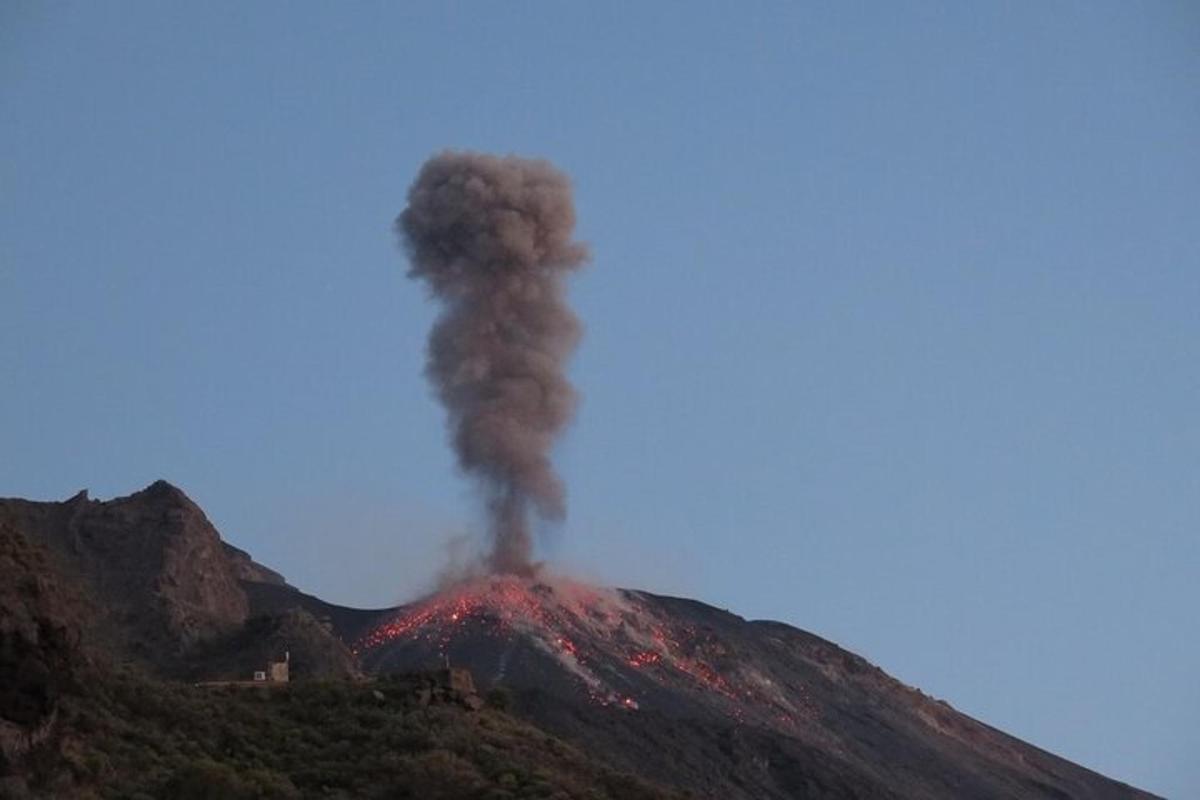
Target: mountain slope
733 708
671 689
79 726
151 563
159 588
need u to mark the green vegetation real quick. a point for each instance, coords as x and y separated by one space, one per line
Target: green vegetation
130 737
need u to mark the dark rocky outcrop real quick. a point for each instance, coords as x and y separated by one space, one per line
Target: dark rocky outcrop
40 654
314 652
152 564
450 686
247 570
269 599
162 590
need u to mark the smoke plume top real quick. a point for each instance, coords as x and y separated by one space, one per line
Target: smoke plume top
491 236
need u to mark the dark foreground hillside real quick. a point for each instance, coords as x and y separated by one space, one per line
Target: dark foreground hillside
123 736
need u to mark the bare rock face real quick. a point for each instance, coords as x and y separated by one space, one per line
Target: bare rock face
250 571
447 686
152 562
163 589
313 650
39 652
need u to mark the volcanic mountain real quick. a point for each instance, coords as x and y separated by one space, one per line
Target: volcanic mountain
678 692
690 695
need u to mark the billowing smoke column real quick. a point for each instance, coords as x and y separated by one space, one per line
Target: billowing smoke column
492 236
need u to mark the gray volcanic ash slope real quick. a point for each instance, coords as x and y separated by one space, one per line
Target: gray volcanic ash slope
674 690
690 695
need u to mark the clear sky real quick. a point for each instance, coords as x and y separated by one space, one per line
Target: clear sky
892 321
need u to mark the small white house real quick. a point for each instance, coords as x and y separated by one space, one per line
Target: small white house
276 671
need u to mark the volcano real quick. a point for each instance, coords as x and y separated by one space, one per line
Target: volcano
614 647
698 697
675 691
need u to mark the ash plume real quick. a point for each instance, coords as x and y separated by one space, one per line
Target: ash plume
492 238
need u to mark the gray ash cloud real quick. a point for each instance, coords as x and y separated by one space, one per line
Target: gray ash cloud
491 236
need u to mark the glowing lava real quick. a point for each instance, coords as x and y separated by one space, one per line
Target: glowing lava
612 641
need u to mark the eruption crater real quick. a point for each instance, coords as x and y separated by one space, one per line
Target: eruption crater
610 643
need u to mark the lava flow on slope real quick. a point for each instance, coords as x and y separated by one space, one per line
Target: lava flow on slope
613 645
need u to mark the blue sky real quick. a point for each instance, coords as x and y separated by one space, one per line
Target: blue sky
892 325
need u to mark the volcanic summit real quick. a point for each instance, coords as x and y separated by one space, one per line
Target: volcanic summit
695 696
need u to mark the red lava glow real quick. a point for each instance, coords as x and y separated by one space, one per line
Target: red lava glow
644 658
624 638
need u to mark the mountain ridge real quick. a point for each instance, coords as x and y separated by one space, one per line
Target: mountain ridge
729 707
